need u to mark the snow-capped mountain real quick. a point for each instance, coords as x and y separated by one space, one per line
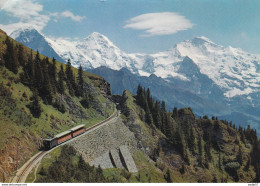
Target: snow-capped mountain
93 51
224 80
233 70
36 41
236 72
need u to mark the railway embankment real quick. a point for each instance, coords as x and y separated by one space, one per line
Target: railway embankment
96 143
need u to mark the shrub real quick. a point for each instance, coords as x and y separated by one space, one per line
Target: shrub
232 168
85 102
59 106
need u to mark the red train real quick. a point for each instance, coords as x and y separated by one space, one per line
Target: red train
64 136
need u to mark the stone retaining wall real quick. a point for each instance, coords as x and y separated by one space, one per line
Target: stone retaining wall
101 140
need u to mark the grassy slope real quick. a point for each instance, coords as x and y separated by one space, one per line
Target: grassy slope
193 172
14 128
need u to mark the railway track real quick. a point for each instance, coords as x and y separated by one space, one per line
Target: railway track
24 171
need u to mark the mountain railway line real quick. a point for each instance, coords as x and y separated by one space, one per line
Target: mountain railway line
24 171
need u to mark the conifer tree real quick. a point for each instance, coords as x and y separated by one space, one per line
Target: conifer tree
219 161
191 140
148 117
175 113
35 106
239 156
61 75
139 95
46 88
70 78
21 56
53 69
10 57
149 99
163 108
207 149
200 159
80 81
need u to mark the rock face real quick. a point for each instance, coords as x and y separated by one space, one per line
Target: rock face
98 142
71 106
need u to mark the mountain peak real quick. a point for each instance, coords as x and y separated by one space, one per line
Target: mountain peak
96 36
17 33
96 41
200 40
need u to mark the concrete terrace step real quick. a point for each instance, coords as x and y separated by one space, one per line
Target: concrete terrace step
127 158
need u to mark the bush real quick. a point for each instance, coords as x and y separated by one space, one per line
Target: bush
232 168
59 106
125 174
85 102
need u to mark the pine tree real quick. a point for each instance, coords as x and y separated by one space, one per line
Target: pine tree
191 140
35 106
207 149
61 75
21 56
139 94
53 70
80 81
219 161
163 108
70 78
149 99
148 117
175 113
46 88
11 56
239 156
200 159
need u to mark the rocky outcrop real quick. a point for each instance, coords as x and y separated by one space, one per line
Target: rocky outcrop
71 106
103 85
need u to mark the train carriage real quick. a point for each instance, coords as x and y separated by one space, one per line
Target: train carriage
75 131
64 136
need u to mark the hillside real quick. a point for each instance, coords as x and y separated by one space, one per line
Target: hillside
170 147
190 149
41 97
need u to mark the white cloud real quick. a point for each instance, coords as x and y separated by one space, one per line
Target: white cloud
30 13
163 23
2 2
22 9
72 16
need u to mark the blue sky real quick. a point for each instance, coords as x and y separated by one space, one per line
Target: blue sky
140 26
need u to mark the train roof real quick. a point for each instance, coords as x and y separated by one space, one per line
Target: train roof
48 139
77 127
62 134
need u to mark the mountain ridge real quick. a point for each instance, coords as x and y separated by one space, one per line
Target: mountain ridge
232 69
210 71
